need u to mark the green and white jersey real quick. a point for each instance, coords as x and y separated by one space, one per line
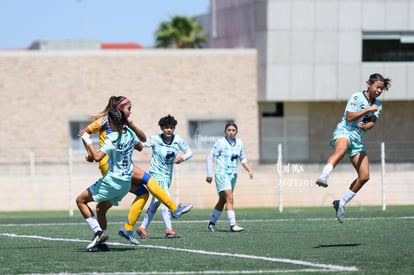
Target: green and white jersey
228 153
356 103
164 154
120 155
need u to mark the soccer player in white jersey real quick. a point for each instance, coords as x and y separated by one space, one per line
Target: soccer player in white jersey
116 182
165 153
228 151
361 112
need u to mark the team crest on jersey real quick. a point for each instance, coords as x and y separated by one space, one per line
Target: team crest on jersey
170 155
233 157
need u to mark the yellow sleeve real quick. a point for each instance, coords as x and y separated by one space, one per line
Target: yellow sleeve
99 126
95 127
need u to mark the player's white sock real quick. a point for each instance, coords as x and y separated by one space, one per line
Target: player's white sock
231 217
149 215
166 216
349 195
215 215
93 224
327 170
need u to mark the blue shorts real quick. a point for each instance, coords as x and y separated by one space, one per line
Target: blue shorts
106 190
225 182
355 144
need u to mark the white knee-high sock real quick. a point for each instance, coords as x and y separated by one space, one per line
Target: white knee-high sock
349 195
166 217
231 217
149 215
327 170
93 224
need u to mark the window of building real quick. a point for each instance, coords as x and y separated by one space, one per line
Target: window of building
203 133
284 123
272 109
74 141
388 47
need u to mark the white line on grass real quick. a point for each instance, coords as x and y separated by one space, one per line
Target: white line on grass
322 267
240 220
306 270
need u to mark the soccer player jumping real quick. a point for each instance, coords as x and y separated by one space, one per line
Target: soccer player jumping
361 112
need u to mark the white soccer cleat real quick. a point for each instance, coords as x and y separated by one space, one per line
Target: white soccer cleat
236 228
99 238
340 211
322 182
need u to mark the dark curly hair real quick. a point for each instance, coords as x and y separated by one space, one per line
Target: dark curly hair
168 120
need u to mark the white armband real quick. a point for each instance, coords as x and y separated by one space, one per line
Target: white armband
86 138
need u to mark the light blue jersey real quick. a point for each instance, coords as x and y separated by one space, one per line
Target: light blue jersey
163 156
116 182
228 153
120 153
356 103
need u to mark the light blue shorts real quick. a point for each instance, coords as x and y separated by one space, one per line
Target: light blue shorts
104 190
355 145
225 182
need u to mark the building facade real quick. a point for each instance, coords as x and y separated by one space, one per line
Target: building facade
48 96
313 55
289 87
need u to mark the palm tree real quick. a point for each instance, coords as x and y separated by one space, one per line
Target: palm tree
180 32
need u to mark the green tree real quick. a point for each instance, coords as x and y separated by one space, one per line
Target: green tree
180 32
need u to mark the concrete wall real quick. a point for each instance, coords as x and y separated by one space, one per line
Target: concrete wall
55 187
310 54
314 48
41 92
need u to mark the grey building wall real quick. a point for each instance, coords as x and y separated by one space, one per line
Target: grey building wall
314 48
41 92
310 59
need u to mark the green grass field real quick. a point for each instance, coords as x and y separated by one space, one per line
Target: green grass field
298 241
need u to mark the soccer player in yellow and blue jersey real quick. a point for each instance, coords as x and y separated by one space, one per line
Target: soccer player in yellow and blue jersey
142 182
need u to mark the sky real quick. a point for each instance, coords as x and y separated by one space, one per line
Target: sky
25 21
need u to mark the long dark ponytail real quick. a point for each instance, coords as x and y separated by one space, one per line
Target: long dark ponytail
378 77
118 120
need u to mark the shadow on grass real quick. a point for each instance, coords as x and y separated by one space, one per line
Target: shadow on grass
111 249
337 245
